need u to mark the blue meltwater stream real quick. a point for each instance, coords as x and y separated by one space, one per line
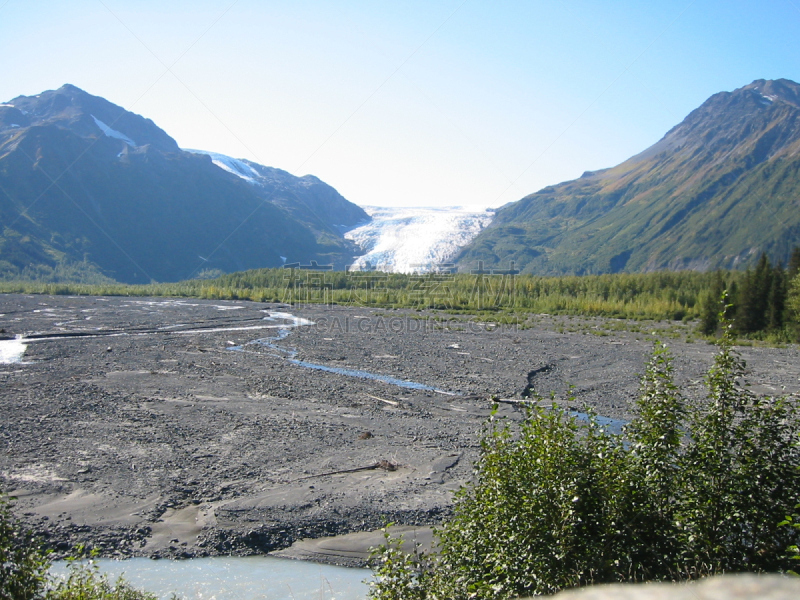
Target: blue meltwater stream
290 353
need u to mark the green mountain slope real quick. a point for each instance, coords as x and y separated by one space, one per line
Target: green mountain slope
718 190
89 190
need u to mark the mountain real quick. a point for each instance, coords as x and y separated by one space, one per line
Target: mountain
307 198
90 190
407 240
716 191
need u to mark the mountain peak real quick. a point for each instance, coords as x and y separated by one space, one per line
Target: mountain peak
69 89
717 190
775 89
70 107
740 118
131 205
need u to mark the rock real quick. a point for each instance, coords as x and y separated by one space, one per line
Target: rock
746 586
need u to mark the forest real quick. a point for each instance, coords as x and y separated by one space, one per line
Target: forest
764 301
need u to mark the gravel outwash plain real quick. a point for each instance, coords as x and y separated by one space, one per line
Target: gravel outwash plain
181 427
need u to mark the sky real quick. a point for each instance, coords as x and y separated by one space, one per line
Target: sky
405 103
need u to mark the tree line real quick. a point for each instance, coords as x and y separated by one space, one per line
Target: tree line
765 299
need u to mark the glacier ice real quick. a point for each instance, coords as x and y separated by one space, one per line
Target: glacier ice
113 133
231 165
415 239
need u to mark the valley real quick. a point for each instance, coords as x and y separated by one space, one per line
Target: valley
181 427
517 283
96 194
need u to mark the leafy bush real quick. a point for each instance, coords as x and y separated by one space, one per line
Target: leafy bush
685 491
85 582
24 570
23 565
794 550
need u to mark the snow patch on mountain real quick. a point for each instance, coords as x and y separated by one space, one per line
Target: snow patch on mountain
417 239
231 165
113 133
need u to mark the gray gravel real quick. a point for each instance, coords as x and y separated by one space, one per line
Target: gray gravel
158 427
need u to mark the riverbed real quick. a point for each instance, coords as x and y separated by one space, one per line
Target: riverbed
182 428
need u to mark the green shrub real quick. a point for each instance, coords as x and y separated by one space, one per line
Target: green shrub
740 475
794 549
23 565
85 582
685 491
24 570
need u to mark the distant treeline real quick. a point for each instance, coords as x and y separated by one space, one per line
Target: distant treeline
766 300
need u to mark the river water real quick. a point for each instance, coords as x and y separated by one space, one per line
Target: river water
289 354
237 578
12 351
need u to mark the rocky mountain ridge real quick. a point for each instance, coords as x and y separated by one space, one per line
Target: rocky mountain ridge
91 191
716 191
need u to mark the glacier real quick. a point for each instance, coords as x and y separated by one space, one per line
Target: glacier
415 239
396 240
232 165
113 133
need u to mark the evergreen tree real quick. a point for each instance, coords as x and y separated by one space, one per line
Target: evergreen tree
776 302
744 302
732 299
751 310
794 264
793 308
710 307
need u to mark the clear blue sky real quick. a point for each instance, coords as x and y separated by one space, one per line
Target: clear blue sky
406 103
